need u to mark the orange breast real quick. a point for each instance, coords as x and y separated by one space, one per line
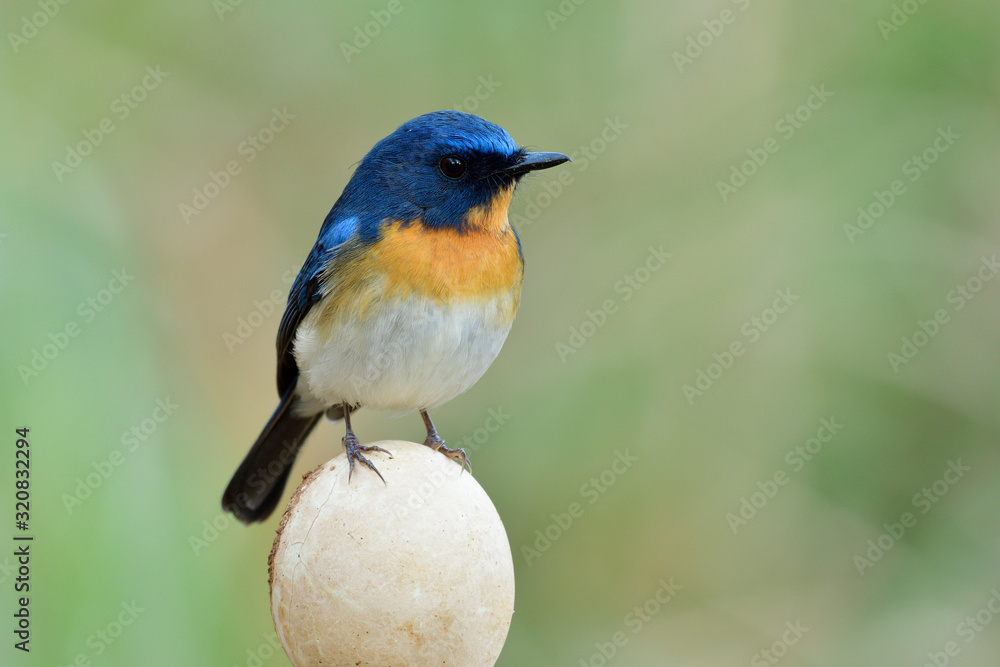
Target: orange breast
444 264
482 263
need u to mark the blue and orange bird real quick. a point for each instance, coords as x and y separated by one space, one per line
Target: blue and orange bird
406 298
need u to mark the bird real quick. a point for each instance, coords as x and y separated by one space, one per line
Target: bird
405 299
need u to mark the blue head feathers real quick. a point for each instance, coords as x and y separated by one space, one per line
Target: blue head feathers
434 168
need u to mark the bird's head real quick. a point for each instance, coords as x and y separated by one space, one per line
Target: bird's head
446 169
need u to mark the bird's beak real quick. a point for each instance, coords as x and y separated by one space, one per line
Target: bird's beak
535 161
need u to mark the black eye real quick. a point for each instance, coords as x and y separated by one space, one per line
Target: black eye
452 166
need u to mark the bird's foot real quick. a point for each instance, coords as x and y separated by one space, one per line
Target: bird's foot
458 455
353 447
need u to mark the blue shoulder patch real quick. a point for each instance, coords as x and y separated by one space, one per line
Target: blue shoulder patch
306 290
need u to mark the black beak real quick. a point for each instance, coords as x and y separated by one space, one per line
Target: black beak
535 161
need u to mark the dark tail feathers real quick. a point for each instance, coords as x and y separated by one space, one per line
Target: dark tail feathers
256 487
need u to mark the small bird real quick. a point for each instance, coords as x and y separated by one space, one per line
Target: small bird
405 299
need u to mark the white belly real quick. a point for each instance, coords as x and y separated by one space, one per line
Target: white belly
416 354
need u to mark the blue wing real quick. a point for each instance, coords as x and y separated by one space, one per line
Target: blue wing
307 290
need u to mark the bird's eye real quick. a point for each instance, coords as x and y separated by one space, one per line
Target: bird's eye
452 166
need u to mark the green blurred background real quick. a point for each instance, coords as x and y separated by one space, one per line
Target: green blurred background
754 537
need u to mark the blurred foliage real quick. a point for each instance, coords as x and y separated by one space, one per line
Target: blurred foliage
150 532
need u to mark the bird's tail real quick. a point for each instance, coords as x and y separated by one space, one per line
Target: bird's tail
256 487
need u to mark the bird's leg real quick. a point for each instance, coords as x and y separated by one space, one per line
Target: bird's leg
435 442
353 447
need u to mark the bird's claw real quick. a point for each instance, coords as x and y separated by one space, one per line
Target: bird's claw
457 455
353 447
